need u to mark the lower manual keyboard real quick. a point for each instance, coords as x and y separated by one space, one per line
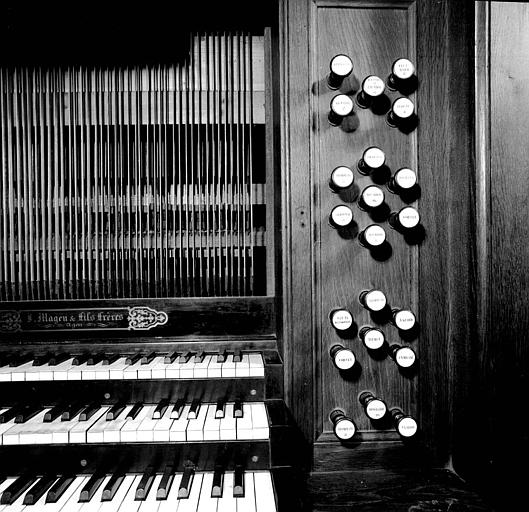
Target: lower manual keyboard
141 424
188 491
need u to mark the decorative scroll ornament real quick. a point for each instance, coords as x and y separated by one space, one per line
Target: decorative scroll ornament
142 318
10 321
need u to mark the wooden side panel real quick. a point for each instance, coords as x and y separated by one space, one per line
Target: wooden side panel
373 37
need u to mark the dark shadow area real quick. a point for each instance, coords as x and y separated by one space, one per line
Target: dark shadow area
350 123
406 87
411 195
348 334
353 374
405 126
411 372
381 175
383 252
410 334
383 316
380 105
349 195
415 236
378 354
348 232
381 213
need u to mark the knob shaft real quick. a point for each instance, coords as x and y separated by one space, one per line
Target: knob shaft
341 216
374 407
344 428
372 88
341 67
341 106
372 237
341 178
372 337
343 358
405 425
372 159
373 300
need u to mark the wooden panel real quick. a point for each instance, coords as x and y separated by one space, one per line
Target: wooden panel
344 267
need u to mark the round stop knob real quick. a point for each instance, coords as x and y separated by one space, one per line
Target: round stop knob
403 319
403 180
402 71
371 197
344 428
372 88
402 111
342 177
404 357
341 66
343 358
406 218
372 159
374 407
341 106
373 300
405 425
341 319
372 237
372 337
341 216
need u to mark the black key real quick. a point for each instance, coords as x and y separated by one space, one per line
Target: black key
145 484
138 406
185 357
21 359
38 490
89 411
165 483
237 409
185 484
111 358
115 411
13 492
218 481
148 358
42 359
237 356
160 409
80 359
219 411
94 359
199 356
133 359
59 488
194 409
177 409
91 487
28 412
54 413
221 356
10 414
169 358
58 358
113 485
72 411
238 482
2 478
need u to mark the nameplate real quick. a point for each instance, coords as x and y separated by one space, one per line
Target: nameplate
136 318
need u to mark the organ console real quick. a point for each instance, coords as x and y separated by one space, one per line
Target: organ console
372 88
342 178
405 219
372 158
341 67
341 106
343 426
373 300
374 407
341 216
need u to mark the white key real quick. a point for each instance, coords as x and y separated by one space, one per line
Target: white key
131 371
45 433
94 504
90 372
3 486
78 432
39 504
195 427
190 504
60 371
186 369
227 503
76 372
18 373
151 503
228 425
256 365
112 431
69 497
113 504
158 368
145 370
172 370
163 426
228 367
179 426
212 425
4 427
13 435
129 504
38 373
18 504
264 492
5 373
171 504
96 432
206 503
260 429
116 368
244 424
27 435
128 433
145 432
242 369
214 368
247 503
201 369
62 434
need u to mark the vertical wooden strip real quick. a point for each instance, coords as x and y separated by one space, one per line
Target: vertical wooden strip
181 171
122 203
11 199
114 187
244 163
199 159
156 178
250 163
192 172
71 185
4 171
19 279
36 163
229 121
204 60
174 184
138 188
90 197
24 167
55 236
166 195
63 172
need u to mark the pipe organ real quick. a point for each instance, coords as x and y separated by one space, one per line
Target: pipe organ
244 257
